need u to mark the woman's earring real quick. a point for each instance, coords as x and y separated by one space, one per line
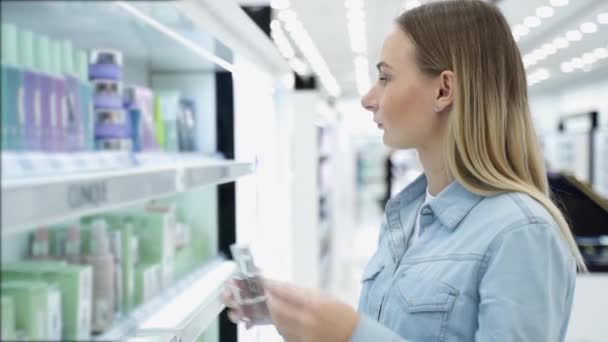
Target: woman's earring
436 109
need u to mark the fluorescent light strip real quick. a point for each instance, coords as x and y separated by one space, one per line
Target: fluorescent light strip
559 43
534 21
302 39
176 36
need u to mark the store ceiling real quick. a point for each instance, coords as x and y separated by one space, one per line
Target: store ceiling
325 21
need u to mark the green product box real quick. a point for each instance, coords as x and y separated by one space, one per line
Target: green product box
9 44
7 324
167 109
147 282
75 284
123 223
30 315
156 240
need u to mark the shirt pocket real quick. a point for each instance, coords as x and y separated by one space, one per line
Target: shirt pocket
370 273
428 304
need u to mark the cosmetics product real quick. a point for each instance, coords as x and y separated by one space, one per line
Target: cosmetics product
40 244
10 47
107 94
156 239
166 114
66 243
140 102
186 124
7 319
114 144
116 249
58 100
122 225
30 299
73 121
73 281
33 110
249 290
102 263
147 282
13 113
112 123
105 64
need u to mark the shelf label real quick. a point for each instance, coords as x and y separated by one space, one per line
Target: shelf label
93 193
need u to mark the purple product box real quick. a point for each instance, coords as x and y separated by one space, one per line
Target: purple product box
73 128
49 118
105 71
142 99
112 123
60 139
107 94
33 113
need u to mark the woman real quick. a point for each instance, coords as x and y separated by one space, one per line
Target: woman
474 250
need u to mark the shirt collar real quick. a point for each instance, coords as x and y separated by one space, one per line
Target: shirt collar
450 206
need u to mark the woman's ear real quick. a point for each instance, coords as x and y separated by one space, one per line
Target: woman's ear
446 90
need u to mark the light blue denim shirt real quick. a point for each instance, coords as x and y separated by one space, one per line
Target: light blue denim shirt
483 269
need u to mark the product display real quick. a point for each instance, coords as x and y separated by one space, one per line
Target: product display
7 318
73 281
105 64
186 123
140 104
166 112
31 314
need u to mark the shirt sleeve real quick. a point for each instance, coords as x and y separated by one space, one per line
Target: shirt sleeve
370 330
526 286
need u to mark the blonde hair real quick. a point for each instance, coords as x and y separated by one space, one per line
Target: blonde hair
491 145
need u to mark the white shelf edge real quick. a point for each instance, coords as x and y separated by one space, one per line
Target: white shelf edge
203 296
129 328
55 199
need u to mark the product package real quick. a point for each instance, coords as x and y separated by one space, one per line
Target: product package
186 124
102 263
66 243
13 115
140 103
105 64
33 112
249 290
156 233
107 94
112 124
147 282
167 111
7 319
30 298
40 244
73 281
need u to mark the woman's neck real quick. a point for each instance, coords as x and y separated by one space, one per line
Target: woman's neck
435 170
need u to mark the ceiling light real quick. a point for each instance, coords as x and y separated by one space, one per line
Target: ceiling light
577 62
574 35
353 4
410 4
588 27
543 74
532 22
549 49
589 58
279 4
602 18
567 67
545 12
601 53
520 30
558 3
539 54
561 43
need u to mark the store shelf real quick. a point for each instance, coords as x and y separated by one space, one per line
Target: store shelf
32 201
180 313
193 308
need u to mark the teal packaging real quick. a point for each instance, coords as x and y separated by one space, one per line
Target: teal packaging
86 101
13 113
30 314
9 44
75 284
7 320
25 53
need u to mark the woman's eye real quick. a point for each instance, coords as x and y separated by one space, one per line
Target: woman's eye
383 79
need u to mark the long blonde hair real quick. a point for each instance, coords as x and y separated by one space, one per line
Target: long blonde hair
491 145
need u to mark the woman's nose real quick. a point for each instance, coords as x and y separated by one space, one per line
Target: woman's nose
369 102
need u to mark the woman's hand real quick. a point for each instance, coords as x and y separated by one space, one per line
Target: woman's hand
302 315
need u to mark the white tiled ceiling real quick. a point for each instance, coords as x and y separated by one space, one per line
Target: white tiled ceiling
326 23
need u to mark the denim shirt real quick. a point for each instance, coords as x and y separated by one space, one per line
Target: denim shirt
484 269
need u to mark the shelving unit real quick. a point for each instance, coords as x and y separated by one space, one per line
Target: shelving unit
188 43
80 194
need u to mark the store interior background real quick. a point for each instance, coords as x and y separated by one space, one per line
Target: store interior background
311 210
